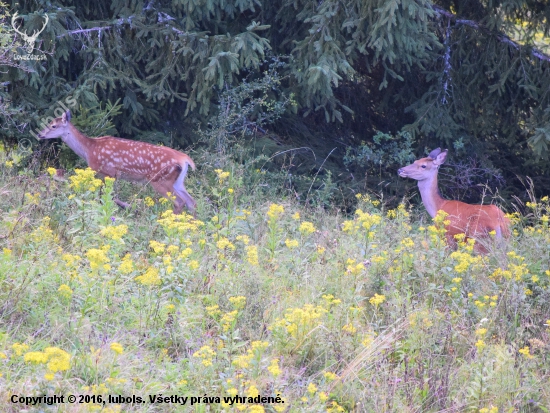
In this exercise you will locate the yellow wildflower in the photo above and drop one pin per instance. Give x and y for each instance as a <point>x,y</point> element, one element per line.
<point>329,376</point>
<point>525,352</point>
<point>115,232</point>
<point>238,302</point>
<point>307,228</point>
<point>84,180</point>
<point>65,291</point>
<point>19,348</point>
<point>150,277</point>
<point>206,354</point>
<point>377,299</point>
<point>223,243</point>
<point>244,239</point>
<point>222,176</point>
<point>98,257</point>
<point>157,247</point>
<point>480,344</point>
<point>252,254</point>
<point>117,348</point>
<point>311,388</point>
<point>291,243</point>
<point>274,367</point>
<point>127,265</point>
<point>275,211</point>
<point>228,320</point>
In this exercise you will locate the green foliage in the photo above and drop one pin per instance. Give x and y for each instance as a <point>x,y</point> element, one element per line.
<point>259,295</point>
<point>97,120</point>
<point>385,151</point>
<point>438,70</point>
<point>246,109</point>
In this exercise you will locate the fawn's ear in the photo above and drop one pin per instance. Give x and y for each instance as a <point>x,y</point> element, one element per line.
<point>66,117</point>
<point>440,158</point>
<point>433,154</point>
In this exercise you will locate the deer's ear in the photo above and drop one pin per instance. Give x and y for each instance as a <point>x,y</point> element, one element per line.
<point>433,154</point>
<point>66,117</point>
<point>440,158</point>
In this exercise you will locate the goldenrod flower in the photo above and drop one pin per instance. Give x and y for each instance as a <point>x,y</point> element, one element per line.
<point>228,320</point>
<point>329,376</point>
<point>481,331</point>
<point>307,228</point>
<point>291,243</point>
<point>213,310</point>
<point>222,176</point>
<point>150,277</point>
<point>525,352</point>
<point>223,243</point>
<point>252,254</point>
<point>275,211</point>
<point>84,180</point>
<point>65,291</point>
<point>480,344</point>
<point>206,354</point>
<point>98,257</point>
<point>19,348</point>
<point>117,348</point>
<point>244,239</point>
<point>157,247</point>
<point>238,302</point>
<point>377,299</point>
<point>349,328</point>
<point>274,367</point>
<point>127,265</point>
<point>115,232</point>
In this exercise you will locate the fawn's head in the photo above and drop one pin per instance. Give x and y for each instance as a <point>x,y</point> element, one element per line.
<point>57,127</point>
<point>424,168</point>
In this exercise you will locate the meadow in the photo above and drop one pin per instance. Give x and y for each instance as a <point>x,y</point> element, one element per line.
<point>261,296</point>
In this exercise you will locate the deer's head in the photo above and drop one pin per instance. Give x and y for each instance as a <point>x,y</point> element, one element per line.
<point>57,127</point>
<point>424,168</point>
<point>32,38</point>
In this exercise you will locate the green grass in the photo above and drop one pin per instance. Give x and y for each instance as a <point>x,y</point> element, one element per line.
<point>365,313</point>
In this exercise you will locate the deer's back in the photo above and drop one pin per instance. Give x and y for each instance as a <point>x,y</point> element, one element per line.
<point>134,161</point>
<point>474,219</point>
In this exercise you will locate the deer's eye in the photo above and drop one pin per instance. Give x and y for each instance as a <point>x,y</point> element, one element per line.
<point>423,166</point>
<point>53,126</point>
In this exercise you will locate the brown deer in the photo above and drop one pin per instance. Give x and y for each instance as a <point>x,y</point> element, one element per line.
<point>163,167</point>
<point>475,221</point>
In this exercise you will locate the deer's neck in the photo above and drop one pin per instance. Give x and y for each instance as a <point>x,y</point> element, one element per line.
<point>431,198</point>
<point>78,142</point>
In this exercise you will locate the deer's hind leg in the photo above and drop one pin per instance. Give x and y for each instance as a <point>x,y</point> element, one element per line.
<point>181,192</point>
<point>163,186</point>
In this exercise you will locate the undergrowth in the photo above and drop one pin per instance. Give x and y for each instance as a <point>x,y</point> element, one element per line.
<point>260,296</point>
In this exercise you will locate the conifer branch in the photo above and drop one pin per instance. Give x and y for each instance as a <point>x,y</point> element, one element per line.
<point>94,29</point>
<point>500,36</point>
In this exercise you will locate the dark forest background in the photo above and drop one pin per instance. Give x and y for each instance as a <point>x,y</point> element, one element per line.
<point>336,94</point>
